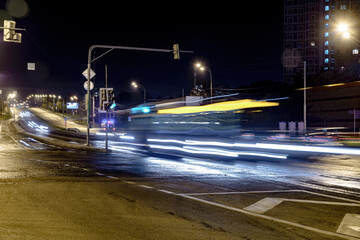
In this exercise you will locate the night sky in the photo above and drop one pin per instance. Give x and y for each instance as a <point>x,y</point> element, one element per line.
<point>241,42</point>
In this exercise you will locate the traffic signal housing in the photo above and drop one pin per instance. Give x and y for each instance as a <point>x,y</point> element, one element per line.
<point>9,32</point>
<point>176,51</point>
<point>103,99</point>
<point>111,97</point>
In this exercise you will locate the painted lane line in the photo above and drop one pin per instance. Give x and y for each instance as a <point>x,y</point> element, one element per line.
<point>320,202</point>
<point>100,174</point>
<point>269,218</point>
<point>145,186</point>
<point>85,169</point>
<point>329,196</point>
<point>166,191</point>
<point>224,193</point>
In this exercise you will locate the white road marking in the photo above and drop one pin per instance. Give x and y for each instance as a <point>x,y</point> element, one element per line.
<point>225,193</point>
<point>269,218</point>
<point>166,191</point>
<point>320,202</point>
<point>329,196</point>
<point>263,205</point>
<point>145,186</point>
<point>350,225</point>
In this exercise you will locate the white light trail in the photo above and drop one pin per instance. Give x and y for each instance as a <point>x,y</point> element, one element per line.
<point>269,146</point>
<point>127,137</point>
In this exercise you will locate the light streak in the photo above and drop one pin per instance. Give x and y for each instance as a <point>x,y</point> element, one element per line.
<point>37,127</point>
<point>270,146</point>
<point>127,137</point>
<point>220,107</point>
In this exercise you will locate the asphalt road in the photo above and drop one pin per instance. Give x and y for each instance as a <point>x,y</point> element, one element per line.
<point>54,193</point>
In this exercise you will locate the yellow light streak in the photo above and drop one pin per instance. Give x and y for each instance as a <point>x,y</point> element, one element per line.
<point>334,85</point>
<point>220,107</point>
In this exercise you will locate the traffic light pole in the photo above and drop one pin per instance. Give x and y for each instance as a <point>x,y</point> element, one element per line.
<point>175,50</point>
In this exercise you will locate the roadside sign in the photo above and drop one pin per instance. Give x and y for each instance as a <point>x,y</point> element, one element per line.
<point>85,73</point>
<point>91,85</point>
<point>356,113</point>
<point>72,105</point>
<point>31,66</point>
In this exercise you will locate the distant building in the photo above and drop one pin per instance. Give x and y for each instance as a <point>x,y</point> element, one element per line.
<point>311,34</point>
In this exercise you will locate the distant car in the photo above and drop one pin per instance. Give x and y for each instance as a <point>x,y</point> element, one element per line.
<point>73,130</point>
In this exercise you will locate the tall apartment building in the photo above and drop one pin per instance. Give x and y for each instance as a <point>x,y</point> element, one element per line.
<point>311,34</point>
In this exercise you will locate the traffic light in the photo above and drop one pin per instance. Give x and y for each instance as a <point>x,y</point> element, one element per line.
<point>9,32</point>
<point>176,51</point>
<point>111,103</point>
<point>103,98</point>
<point>111,95</point>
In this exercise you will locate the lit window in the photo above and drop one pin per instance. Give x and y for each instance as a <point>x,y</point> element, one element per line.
<point>326,34</point>
<point>327,8</point>
<point>326,43</point>
<point>327,52</point>
<point>327,17</point>
<point>326,60</point>
<point>343,7</point>
<point>326,25</point>
<point>355,51</point>
<point>312,44</point>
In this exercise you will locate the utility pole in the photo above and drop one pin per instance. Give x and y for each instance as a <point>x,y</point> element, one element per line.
<point>304,97</point>
<point>107,116</point>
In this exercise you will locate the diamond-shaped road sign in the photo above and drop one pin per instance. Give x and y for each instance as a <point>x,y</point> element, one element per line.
<point>85,73</point>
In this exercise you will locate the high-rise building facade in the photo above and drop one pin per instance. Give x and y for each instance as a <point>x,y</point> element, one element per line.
<point>312,34</point>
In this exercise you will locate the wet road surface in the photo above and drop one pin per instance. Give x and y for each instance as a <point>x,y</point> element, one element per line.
<point>303,197</point>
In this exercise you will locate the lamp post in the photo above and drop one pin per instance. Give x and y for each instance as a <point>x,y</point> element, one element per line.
<point>343,29</point>
<point>136,85</point>
<point>203,68</point>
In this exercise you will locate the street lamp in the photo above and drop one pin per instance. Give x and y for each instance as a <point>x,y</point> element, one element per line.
<point>136,85</point>
<point>204,68</point>
<point>343,28</point>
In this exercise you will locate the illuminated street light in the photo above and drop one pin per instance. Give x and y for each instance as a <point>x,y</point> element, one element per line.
<point>203,68</point>
<point>136,85</point>
<point>346,35</point>
<point>343,29</point>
